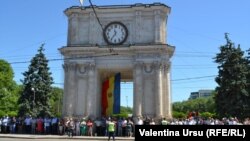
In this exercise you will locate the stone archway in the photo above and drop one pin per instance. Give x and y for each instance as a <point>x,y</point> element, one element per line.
<point>143,58</point>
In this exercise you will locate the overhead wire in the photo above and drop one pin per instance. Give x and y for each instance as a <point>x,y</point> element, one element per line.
<point>190,78</point>
<point>97,18</point>
<point>70,58</point>
<point>58,54</point>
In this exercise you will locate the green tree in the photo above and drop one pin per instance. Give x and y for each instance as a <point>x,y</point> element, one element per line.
<point>201,105</point>
<point>8,90</point>
<point>179,115</point>
<point>247,96</point>
<point>231,93</point>
<point>125,111</point>
<point>35,98</point>
<point>56,101</point>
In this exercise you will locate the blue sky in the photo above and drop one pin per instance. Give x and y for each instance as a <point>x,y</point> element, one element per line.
<point>195,27</point>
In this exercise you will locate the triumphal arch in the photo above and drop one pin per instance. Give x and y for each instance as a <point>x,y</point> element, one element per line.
<point>125,39</point>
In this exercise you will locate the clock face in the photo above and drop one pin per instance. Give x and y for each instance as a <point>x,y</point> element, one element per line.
<point>115,33</point>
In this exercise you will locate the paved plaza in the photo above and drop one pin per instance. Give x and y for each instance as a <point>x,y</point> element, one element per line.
<point>18,137</point>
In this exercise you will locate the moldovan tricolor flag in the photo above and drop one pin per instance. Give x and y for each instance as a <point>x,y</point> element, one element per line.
<point>111,95</point>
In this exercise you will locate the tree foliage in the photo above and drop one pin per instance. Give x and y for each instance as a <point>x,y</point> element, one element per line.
<point>232,94</point>
<point>125,111</point>
<point>56,101</point>
<point>8,90</point>
<point>179,115</point>
<point>197,105</point>
<point>36,94</point>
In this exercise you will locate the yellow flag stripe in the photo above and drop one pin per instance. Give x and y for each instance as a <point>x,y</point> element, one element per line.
<point>110,95</point>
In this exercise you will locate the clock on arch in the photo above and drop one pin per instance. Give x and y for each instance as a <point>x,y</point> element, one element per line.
<point>115,33</point>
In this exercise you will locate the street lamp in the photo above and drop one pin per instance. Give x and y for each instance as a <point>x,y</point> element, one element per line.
<point>34,98</point>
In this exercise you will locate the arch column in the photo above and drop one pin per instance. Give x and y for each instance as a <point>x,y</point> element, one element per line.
<point>70,95</point>
<point>167,97</point>
<point>138,88</point>
<point>65,93</point>
<point>82,81</point>
<point>158,89</point>
<point>92,93</point>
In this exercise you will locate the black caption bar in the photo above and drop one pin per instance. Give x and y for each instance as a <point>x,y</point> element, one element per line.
<point>193,132</point>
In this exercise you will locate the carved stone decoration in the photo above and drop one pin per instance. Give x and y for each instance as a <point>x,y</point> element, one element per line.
<point>148,68</point>
<point>65,67</point>
<point>91,66</point>
<point>157,65</point>
<point>72,66</point>
<point>138,65</point>
<point>82,68</point>
<point>166,66</point>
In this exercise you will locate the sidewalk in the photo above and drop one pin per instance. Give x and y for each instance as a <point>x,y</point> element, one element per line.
<point>28,136</point>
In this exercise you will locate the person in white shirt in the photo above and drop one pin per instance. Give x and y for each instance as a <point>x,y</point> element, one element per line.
<point>27,123</point>
<point>152,122</point>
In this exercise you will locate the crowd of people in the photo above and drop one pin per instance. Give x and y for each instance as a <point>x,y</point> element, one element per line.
<point>99,127</point>
<point>69,126</point>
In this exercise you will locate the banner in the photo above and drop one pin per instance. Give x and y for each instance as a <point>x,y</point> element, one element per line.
<point>111,95</point>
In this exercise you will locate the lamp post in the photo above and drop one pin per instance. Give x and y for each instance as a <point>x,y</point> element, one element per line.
<point>34,97</point>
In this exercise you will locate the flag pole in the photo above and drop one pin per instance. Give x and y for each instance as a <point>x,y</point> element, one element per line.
<point>81,2</point>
